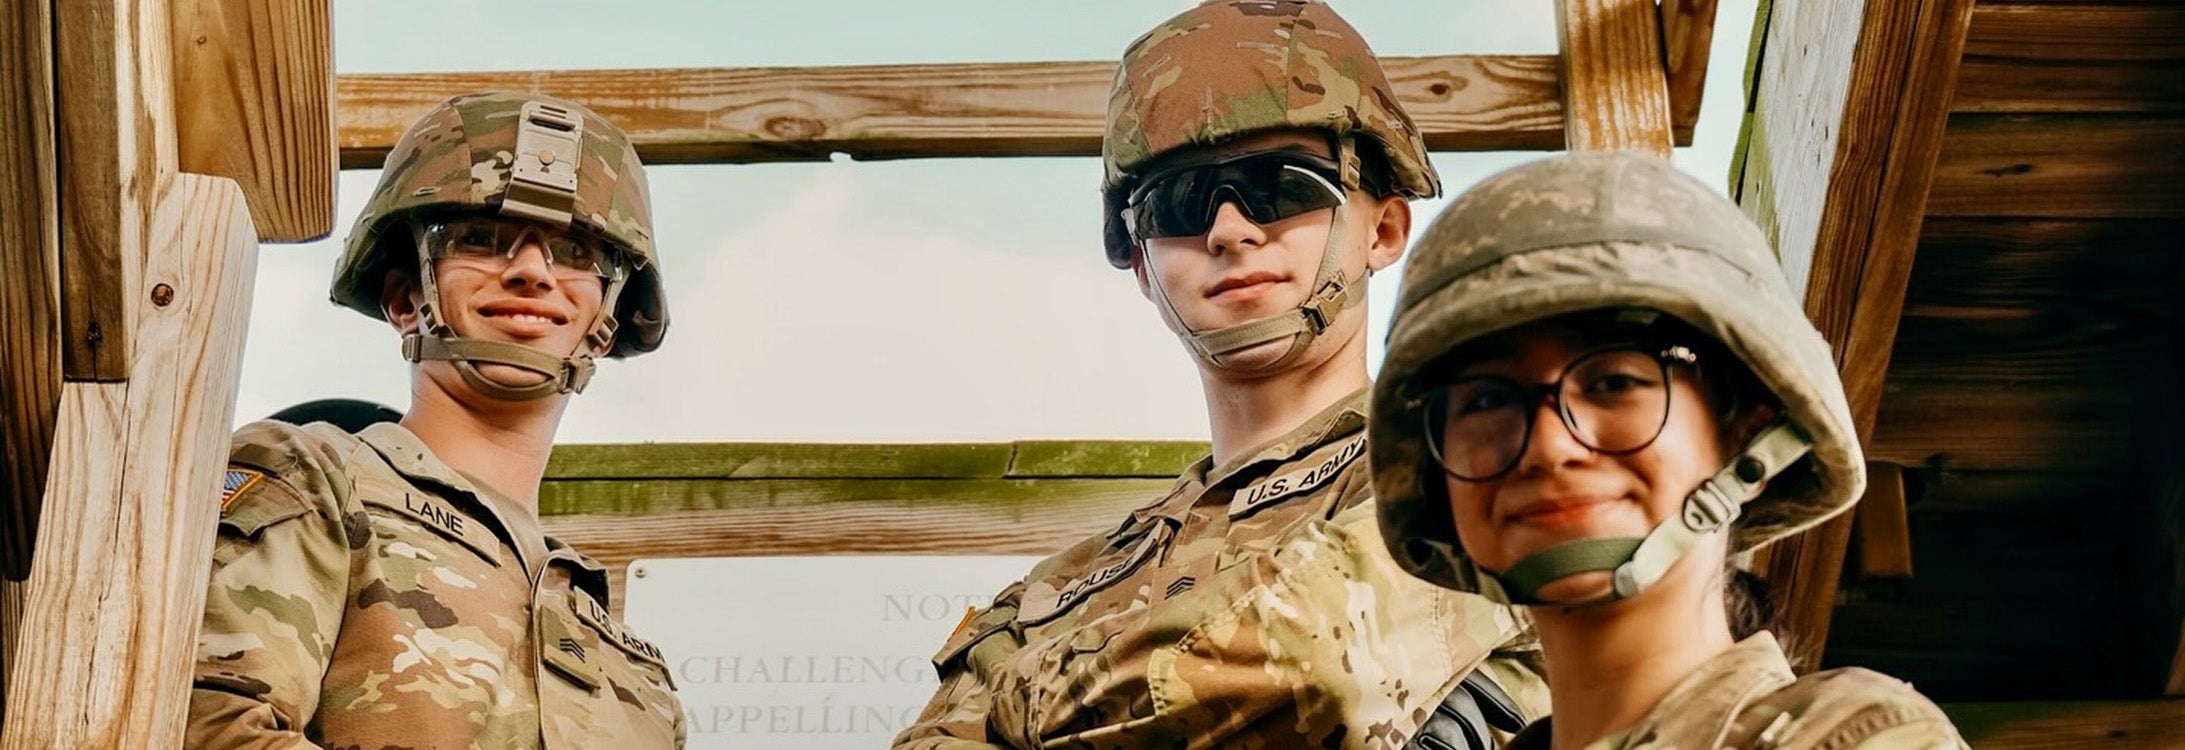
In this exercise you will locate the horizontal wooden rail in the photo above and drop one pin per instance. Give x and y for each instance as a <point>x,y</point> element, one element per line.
<point>730,115</point>
<point>618,503</point>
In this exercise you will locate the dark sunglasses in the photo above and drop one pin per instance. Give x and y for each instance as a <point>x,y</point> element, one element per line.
<point>1268,187</point>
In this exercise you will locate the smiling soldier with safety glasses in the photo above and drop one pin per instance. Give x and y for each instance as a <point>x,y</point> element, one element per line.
<point>391,586</point>
<point>1257,170</point>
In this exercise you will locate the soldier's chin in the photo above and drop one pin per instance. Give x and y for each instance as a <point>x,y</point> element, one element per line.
<point>1573,589</point>
<point>1255,360</point>
<point>511,376</point>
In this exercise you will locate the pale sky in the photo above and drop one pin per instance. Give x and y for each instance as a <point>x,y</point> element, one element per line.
<point>906,301</point>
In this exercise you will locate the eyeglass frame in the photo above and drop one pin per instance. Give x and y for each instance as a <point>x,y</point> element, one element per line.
<point>609,269</point>
<point>1552,392</point>
<point>1324,171</point>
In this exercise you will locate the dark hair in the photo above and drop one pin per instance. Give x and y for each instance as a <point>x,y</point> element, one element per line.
<point>1745,596</point>
<point>1376,174</point>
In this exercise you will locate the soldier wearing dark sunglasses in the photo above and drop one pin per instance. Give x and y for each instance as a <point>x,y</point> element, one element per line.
<point>1257,170</point>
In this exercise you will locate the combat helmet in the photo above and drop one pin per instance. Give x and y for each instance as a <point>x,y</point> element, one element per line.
<point>1609,232</point>
<point>1232,68</point>
<point>519,155</point>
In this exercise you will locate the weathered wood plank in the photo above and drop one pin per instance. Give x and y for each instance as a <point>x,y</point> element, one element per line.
<point>777,460</point>
<point>2032,263</point>
<point>1615,94</point>
<point>254,83</point>
<point>30,301</point>
<point>1885,536</point>
<point>116,142</point>
<point>2116,725</point>
<point>2077,58</point>
<point>884,520</point>
<point>2061,166</point>
<point>714,115</point>
<point>2077,32</point>
<point>652,496</point>
<point>1022,459</point>
<point>121,569</point>
<point>1800,79</point>
<point>1863,205</point>
<point>1688,34</point>
<point>1086,458</point>
<point>1998,426</point>
<point>2007,85</point>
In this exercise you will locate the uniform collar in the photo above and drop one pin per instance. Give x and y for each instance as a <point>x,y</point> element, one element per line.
<point>1701,704</point>
<point>410,458</point>
<point>1342,419</point>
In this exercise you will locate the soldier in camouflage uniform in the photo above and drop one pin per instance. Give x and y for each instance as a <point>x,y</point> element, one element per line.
<point>392,588</point>
<point>1598,391</point>
<point>1257,169</point>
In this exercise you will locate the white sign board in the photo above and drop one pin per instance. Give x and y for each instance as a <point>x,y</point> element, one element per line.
<point>807,652</point>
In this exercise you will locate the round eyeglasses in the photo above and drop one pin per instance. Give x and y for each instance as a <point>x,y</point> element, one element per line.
<point>1612,401</point>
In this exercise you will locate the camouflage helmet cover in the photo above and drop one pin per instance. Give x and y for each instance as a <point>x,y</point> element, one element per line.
<point>461,156</point>
<point>1587,232</point>
<point>1229,68</point>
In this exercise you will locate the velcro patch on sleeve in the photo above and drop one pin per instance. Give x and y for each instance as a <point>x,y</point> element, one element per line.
<point>235,482</point>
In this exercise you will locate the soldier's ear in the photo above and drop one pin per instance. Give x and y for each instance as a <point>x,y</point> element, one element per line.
<point>1391,217</point>
<point>399,299</point>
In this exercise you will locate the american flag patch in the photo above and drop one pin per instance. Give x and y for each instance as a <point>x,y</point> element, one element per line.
<point>235,482</point>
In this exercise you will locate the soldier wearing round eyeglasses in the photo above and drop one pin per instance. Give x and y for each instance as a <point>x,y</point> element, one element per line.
<point>392,587</point>
<point>1258,169</point>
<point>1599,392</point>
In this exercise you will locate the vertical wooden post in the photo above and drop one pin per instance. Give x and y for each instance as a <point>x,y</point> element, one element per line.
<point>30,302</point>
<point>1851,99</point>
<point>116,142</point>
<point>259,75</point>
<point>1615,94</point>
<point>1688,33</point>
<point>1885,533</point>
<point>119,579</point>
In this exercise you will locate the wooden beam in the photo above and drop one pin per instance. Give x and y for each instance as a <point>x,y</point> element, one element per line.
<point>1615,96</point>
<point>2061,167</point>
<point>119,583</point>
<point>116,142</point>
<point>30,292</point>
<point>2004,426</point>
<point>727,115</point>
<point>1868,85</point>
<point>2077,32</point>
<point>1688,34</point>
<point>254,85</point>
<point>1155,459</point>
<point>2104,725</point>
<point>618,521</point>
<point>1885,535</point>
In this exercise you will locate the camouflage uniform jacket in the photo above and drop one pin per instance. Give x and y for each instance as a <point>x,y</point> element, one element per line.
<point>1747,698</point>
<point>366,595</point>
<point>1253,606</point>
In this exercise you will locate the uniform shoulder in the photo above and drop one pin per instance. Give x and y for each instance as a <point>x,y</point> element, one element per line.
<point>278,470</point>
<point>1853,707</point>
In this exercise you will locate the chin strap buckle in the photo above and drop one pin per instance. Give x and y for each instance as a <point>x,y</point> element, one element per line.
<point>1710,507</point>
<point>1327,302</point>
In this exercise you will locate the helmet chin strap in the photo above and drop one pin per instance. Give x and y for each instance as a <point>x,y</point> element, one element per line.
<point>1638,563</point>
<point>437,341</point>
<point>1331,295</point>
